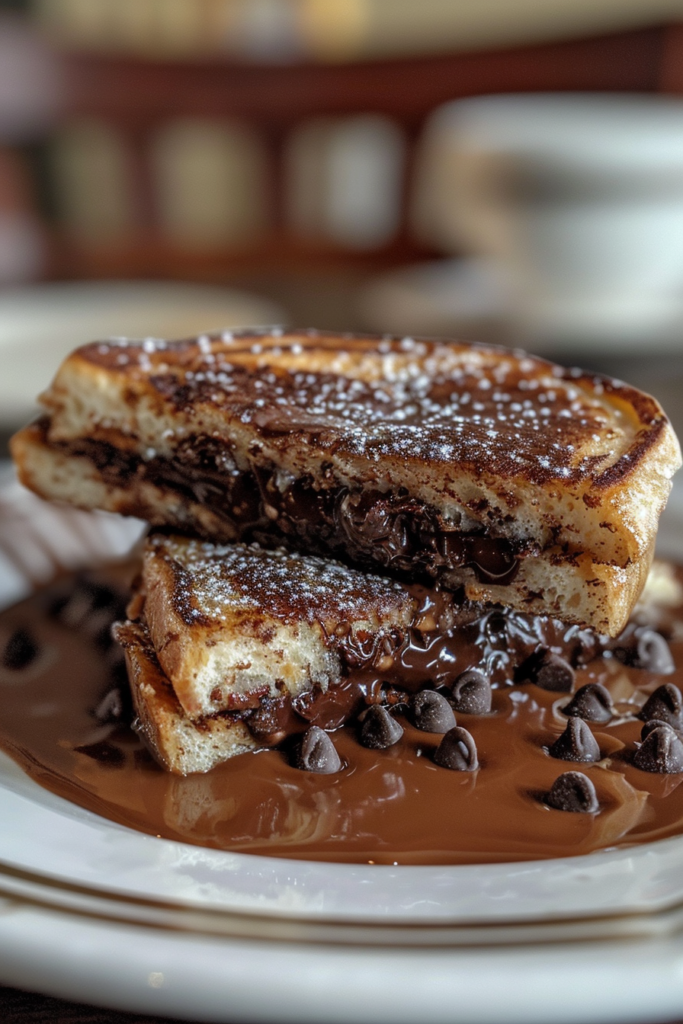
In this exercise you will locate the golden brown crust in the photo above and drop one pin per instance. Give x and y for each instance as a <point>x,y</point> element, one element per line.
<point>307,368</point>
<point>233,624</point>
<point>474,430</point>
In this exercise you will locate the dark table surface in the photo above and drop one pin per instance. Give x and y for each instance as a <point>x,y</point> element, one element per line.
<point>18,1007</point>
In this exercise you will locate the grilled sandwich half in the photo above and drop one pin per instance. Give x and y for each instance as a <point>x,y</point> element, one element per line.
<point>471,466</point>
<point>233,648</point>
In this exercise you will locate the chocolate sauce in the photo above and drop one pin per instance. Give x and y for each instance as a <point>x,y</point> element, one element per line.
<point>404,535</point>
<point>454,636</point>
<point>64,722</point>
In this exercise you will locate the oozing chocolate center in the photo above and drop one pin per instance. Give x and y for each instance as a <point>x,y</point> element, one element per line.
<point>401,533</point>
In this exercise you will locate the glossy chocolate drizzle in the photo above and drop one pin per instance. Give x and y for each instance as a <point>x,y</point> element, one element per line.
<point>65,720</point>
<point>454,636</point>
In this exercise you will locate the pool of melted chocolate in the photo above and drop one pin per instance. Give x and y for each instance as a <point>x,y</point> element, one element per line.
<point>62,720</point>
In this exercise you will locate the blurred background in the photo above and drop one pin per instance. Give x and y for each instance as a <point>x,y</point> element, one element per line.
<point>507,170</point>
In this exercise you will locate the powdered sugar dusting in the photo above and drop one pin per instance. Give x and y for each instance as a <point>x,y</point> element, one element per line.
<point>489,408</point>
<point>216,580</point>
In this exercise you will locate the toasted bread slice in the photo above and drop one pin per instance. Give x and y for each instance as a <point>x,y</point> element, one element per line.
<point>527,484</point>
<point>180,745</point>
<point>280,640</point>
<point>264,632</point>
<point>234,624</point>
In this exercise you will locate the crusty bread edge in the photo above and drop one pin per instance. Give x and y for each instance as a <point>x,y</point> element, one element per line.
<point>75,480</point>
<point>161,722</point>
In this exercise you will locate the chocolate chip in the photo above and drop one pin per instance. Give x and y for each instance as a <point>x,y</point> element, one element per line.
<point>379,729</point>
<point>457,751</point>
<point>317,753</point>
<point>431,712</point>
<point>266,720</point>
<point>591,702</point>
<point>573,791</point>
<point>495,627</point>
<point>665,703</point>
<point>642,647</point>
<point>661,751</point>
<point>20,651</point>
<point>553,673</point>
<point>653,653</point>
<point>472,692</point>
<point>577,743</point>
<point>654,723</point>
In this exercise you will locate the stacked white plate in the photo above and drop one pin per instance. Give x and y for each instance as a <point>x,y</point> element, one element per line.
<point>93,911</point>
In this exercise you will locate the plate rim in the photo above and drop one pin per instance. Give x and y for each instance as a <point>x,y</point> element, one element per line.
<point>303,890</point>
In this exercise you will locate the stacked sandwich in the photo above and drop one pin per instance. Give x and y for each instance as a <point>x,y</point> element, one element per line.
<point>344,527</point>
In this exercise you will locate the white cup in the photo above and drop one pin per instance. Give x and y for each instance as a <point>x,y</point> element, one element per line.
<point>578,199</point>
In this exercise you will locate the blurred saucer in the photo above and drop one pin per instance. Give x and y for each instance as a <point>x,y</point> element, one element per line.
<point>471,298</point>
<point>579,201</point>
<point>450,298</point>
<point>41,324</point>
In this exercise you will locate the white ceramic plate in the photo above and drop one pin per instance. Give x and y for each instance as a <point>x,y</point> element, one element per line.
<point>41,324</point>
<point>97,912</point>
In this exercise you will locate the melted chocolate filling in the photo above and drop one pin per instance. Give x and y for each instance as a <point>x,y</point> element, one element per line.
<point>386,668</point>
<point>404,535</point>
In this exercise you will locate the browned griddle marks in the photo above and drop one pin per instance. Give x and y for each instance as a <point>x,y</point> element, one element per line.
<point>490,409</point>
